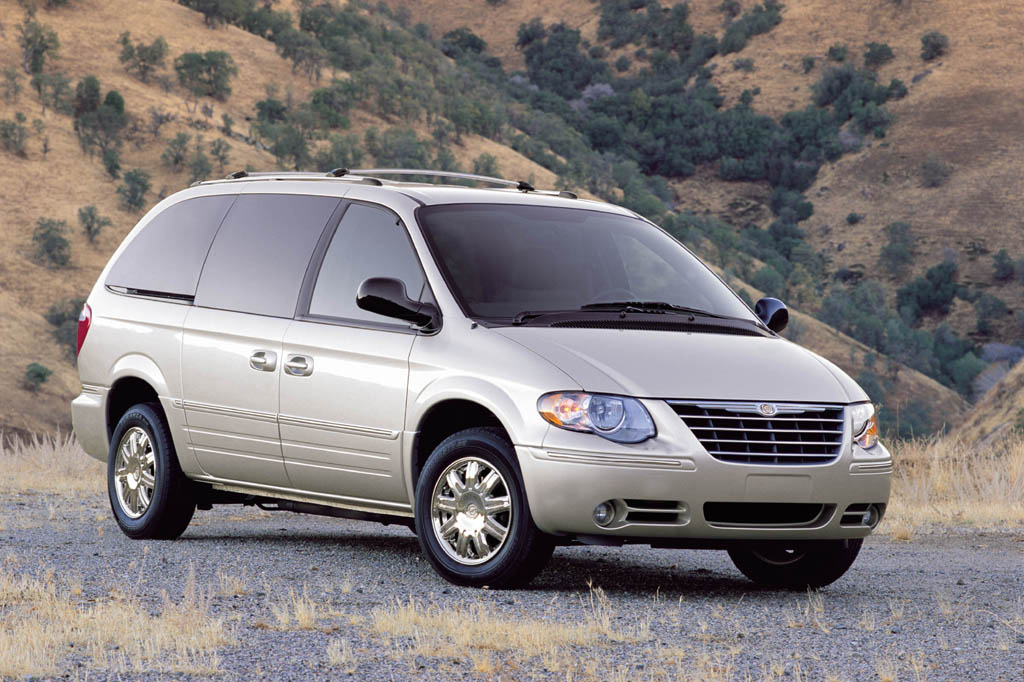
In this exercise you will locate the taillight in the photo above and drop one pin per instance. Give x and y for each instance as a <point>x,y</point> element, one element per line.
<point>84,322</point>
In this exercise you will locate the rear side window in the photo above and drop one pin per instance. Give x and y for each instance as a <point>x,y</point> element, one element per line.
<point>369,242</point>
<point>259,258</point>
<point>167,255</point>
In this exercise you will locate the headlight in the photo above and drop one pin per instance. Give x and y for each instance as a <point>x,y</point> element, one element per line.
<point>865,424</point>
<point>619,419</point>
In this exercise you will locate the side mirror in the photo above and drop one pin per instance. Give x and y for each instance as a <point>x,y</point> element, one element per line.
<point>386,296</point>
<point>773,313</point>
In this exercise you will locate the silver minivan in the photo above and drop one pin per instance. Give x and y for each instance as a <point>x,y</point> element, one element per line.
<point>504,370</point>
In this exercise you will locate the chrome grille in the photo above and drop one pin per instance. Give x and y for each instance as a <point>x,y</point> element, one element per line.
<point>765,433</point>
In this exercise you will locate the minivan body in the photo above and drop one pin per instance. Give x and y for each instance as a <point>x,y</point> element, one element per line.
<point>503,370</point>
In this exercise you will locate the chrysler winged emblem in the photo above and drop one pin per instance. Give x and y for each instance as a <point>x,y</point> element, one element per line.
<point>767,409</point>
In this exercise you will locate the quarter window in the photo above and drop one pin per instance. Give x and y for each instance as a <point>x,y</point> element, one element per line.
<point>259,258</point>
<point>166,256</point>
<point>369,242</point>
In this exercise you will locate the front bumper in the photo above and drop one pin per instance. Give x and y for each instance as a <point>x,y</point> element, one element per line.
<point>661,490</point>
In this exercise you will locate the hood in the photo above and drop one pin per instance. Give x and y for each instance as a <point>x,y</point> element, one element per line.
<point>657,364</point>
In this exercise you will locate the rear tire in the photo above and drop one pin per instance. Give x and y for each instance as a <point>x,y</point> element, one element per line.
<point>150,496</point>
<point>472,517</point>
<point>799,567</point>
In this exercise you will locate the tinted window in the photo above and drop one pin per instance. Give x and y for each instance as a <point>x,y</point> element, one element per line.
<point>167,255</point>
<point>369,242</point>
<point>260,255</point>
<point>504,259</point>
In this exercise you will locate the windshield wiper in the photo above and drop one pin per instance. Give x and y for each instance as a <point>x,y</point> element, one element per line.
<point>527,315</point>
<point>652,306</point>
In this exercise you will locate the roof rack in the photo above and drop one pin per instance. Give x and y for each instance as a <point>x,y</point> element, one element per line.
<point>521,185</point>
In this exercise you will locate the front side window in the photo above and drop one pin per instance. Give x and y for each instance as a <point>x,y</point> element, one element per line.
<point>259,258</point>
<point>369,242</point>
<point>501,260</point>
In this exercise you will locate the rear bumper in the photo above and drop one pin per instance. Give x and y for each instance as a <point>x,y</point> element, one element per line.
<point>664,496</point>
<point>89,422</point>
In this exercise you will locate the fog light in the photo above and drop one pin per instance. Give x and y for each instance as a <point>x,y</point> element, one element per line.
<point>604,513</point>
<point>871,516</point>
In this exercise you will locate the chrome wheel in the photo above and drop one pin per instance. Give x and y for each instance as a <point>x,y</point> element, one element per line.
<point>471,510</point>
<point>135,472</point>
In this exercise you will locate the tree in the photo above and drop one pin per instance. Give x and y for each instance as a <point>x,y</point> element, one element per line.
<point>64,318</point>
<point>899,252</point>
<point>52,249</point>
<point>988,308</point>
<point>221,151</point>
<point>343,152</point>
<point>38,43</point>
<point>11,84</point>
<point>112,163</point>
<point>98,124</point>
<point>35,376</point>
<point>92,222</point>
<point>133,189</point>
<point>14,135</point>
<point>217,12</point>
<point>206,75</point>
<point>838,52</point>
<point>933,45</point>
<point>176,152</point>
<point>142,59</point>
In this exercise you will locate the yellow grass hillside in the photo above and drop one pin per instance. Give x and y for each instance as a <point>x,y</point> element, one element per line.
<point>1000,413</point>
<point>57,186</point>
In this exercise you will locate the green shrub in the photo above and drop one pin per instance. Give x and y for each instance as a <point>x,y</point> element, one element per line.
<point>898,253</point>
<point>14,135</point>
<point>838,52</point>
<point>199,166</point>
<point>64,318</point>
<point>52,249</point>
<point>344,151</point>
<point>755,21</point>
<point>1002,265</point>
<point>932,293</point>
<point>768,280</point>
<point>854,218</point>
<point>745,64</point>
<point>988,308</point>
<point>461,42</point>
<point>35,376</point>
<point>933,45</point>
<point>221,151</point>
<point>622,64</point>
<point>807,63</point>
<point>934,171</point>
<point>897,89</point>
<point>92,222</point>
<point>112,163</point>
<point>486,164</point>
<point>11,84</point>
<point>176,152</point>
<point>877,54</point>
<point>133,189</point>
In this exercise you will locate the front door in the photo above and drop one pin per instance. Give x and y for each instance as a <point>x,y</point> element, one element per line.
<point>343,389</point>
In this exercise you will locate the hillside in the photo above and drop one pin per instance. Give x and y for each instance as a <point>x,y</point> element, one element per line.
<point>999,414</point>
<point>56,185</point>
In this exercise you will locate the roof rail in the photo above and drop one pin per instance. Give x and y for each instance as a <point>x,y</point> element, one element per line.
<point>521,185</point>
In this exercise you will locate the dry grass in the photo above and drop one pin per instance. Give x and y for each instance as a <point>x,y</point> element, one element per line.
<point>951,483</point>
<point>477,630</point>
<point>52,465</point>
<point>47,622</point>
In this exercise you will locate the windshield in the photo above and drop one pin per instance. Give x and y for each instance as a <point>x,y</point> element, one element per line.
<point>501,260</point>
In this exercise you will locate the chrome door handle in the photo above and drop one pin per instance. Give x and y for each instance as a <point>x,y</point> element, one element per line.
<point>299,365</point>
<point>263,360</point>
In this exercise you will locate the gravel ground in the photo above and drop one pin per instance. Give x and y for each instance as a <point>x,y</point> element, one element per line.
<point>946,605</point>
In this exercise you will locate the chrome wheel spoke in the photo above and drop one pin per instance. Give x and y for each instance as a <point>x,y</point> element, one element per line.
<point>490,480</point>
<point>448,527</point>
<point>462,545</point>
<point>147,480</point>
<point>495,529</point>
<point>480,546</point>
<point>497,505</point>
<point>472,471</point>
<point>454,483</point>
<point>445,504</point>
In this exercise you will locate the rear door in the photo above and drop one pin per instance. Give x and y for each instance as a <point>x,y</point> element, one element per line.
<point>344,386</point>
<point>231,354</point>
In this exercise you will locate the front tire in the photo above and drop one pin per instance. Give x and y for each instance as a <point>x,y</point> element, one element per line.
<point>472,517</point>
<point>150,496</point>
<point>798,567</point>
